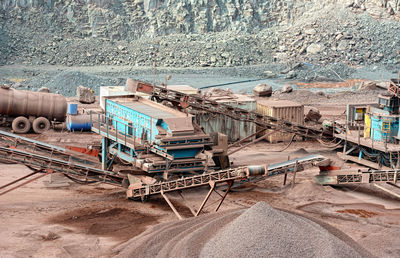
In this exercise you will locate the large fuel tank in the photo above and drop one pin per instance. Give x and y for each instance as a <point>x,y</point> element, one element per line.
<point>27,103</point>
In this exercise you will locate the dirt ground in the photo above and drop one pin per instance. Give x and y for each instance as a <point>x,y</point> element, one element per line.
<point>91,220</point>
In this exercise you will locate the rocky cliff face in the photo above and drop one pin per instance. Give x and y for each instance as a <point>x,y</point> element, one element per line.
<point>103,31</point>
<point>133,19</point>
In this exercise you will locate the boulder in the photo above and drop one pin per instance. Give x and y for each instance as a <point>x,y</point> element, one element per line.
<point>313,115</point>
<point>85,95</point>
<point>44,89</point>
<point>314,48</point>
<point>290,75</point>
<point>287,89</point>
<point>263,90</point>
<point>269,74</point>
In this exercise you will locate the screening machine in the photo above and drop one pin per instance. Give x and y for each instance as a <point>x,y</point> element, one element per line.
<point>155,139</point>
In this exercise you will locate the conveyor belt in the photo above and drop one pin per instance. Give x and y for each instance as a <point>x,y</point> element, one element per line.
<point>58,165</point>
<point>357,177</point>
<point>201,104</point>
<point>17,141</point>
<point>44,162</point>
<point>223,176</point>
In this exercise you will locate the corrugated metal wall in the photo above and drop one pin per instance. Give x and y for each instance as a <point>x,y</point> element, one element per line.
<point>287,110</point>
<point>235,130</point>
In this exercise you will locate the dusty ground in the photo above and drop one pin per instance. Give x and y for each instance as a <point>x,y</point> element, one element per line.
<point>91,220</point>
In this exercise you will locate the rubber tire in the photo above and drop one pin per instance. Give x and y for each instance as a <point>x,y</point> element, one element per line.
<point>41,125</point>
<point>21,125</point>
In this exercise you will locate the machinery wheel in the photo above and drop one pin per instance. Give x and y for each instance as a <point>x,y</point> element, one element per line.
<point>21,124</point>
<point>41,125</point>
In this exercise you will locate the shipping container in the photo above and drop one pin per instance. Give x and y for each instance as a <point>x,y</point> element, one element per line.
<point>284,109</point>
<point>234,129</point>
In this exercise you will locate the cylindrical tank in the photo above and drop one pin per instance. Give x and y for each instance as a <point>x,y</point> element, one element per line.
<point>78,123</point>
<point>72,109</point>
<point>27,103</point>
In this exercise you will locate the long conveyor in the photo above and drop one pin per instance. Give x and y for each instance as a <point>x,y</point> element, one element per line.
<point>343,177</point>
<point>48,162</point>
<point>182,100</point>
<point>231,174</point>
<point>58,165</point>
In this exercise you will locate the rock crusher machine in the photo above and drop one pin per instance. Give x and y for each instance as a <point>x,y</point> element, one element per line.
<point>155,140</point>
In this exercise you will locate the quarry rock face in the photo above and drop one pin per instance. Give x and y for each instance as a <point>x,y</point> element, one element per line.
<point>218,33</point>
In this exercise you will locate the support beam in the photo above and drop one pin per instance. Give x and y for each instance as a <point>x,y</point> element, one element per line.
<point>104,153</point>
<point>361,161</point>
<point>212,185</point>
<point>285,177</point>
<point>19,179</point>
<point>294,173</point>
<point>187,204</point>
<point>393,184</point>
<point>230,183</point>
<point>251,143</point>
<point>349,151</point>
<point>171,205</point>
<point>49,171</point>
<point>247,138</point>
<point>387,190</point>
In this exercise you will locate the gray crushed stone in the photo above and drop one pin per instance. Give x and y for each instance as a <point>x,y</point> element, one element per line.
<point>4,81</point>
<point>263,231</point>
<point>66,82</point>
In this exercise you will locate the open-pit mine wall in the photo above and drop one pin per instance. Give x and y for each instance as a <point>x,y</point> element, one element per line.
<point>31,30</point>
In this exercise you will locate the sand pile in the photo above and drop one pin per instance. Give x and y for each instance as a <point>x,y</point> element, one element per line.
<point>260,231</point>
<point>263,231</point>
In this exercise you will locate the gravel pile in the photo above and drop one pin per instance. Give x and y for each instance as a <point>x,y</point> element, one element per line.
<point>260,231</point>
<point>183,238</point>
<point>66,82</point>
<point>263,231</point>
